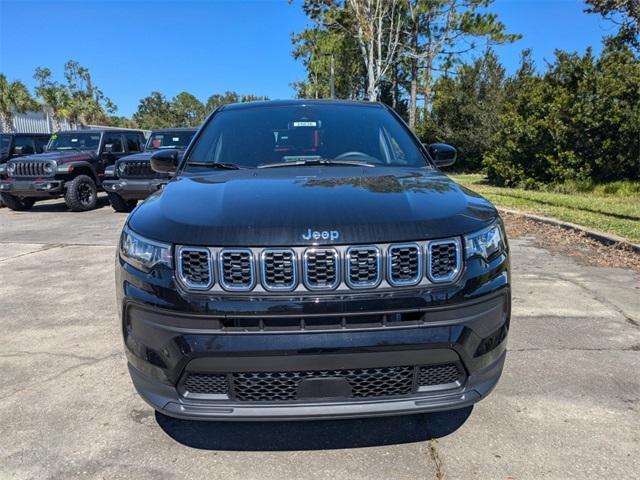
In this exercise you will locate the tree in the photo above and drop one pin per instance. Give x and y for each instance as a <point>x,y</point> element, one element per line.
<point>466,110</point>
<point>87,103</point>
<point>624,13</point>
<point>14,96</point>
<point>54,95</point>
<point>438,32</point>
<point>186,110</point>
<point>154,111</point>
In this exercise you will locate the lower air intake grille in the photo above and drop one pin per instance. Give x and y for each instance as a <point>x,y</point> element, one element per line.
<point>236,269</point>
<point>321,268</point>
<point>195,267</point>
<point>206,383</point>
<point>282,386</point>
<point>444,260</point>
<point>439,375</point>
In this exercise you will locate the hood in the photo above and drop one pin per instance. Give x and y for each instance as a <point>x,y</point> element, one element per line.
<point>61,156</point>
<point>137,156</point>
<point>282,206</point>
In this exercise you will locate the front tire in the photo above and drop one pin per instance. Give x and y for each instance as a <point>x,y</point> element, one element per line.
<point>81,194</point>
<point>16,203</point>
<point>119,204</point>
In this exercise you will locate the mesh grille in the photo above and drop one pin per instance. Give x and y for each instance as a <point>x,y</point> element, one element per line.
<point>29,168</point>
<point>443,263</point>
<point>137,168</point>
<point>438,375</point>
<point>206,383</point>
<point>363,265</point>
<point>278,268</point>
<point>321,268</point>
<point>236,269</point>
<point>282,386</point>
<point>195,268</point>
<point>404,264</point>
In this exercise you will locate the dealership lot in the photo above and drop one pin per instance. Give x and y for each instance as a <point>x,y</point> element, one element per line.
<point>568,404</point>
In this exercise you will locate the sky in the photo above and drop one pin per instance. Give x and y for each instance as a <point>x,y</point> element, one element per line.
<point>135,47</point>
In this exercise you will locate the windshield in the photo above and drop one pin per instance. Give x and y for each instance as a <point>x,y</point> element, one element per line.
<point>259,136</point>
<point>5,141</point>
<point>179,139</point>
<point>74,141</point>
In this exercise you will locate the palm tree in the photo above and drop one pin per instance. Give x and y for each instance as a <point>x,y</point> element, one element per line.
<point>14,97</point>
<point>55,96</point>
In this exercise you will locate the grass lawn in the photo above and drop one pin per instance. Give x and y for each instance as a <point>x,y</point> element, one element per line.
<point>617,213</point>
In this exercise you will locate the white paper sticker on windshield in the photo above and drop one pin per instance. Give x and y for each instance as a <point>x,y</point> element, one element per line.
<point>74,140</point>
<point>305,124</point>
<point>176,139</point>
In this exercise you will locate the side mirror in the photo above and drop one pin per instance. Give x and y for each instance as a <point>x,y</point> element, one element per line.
<point>17,151</point>
<point>165,161</point>
<point>442,154</point>
<point>108,148</point>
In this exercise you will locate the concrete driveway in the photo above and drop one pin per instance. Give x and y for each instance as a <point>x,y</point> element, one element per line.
<point>568,404</point>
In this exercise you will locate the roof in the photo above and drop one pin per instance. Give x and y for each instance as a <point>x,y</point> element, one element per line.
<point>26,134</point>
<point>300,102</point>
<point>100,130</point>
<point>176,129</point>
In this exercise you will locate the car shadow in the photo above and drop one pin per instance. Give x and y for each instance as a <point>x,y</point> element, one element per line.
<point>312,435</point>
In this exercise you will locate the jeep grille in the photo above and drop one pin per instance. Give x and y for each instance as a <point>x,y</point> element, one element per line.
<point>30,168</point>
<point>136,168</point>
<point>300,269</point>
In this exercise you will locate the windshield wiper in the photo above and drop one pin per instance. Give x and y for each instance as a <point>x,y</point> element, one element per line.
<point>317,161</point>
<point>220,165</point>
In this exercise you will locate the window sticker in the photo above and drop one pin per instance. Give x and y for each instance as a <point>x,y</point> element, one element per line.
<point>73,140</point>
<point>176,139</point>
<point>305,124</point>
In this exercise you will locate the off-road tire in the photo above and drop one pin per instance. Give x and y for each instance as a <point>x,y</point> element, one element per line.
<point>119,204</point>
<point>81,194</point>
<point>17,204</point>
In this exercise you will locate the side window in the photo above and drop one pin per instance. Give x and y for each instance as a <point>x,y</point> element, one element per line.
<point>115,140</point>
<point>40,142</point>
<point>133,142</point>
<point>26,143</point>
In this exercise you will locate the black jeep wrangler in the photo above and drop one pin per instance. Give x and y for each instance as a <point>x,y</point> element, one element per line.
<point>132,179</point>
<point>19,144</point>
<point>309,260</point>
<point>73,167</point>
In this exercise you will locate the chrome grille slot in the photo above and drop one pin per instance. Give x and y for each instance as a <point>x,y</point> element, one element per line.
<point>321,268</point>
<point>444,260</point>
<point>404,264</point>
<point>279,269</point>
<point>363,267</point>
<point>236,269</point>
<point>195,267</point>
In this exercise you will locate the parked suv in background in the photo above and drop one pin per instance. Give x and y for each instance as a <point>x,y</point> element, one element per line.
<point>73,167</point>
<point>309,260</point>
<point>131,178</point>
<point>19,144</point>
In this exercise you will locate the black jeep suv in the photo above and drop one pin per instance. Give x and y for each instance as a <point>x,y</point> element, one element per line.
<point>132,178</point>
<point>309,260</point>
<point>73,167</point>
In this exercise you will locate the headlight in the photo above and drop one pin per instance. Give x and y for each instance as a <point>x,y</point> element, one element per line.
<point>50,167</point>
<point>121,168</point>
<point>142,253</point>
<point>11,167</point>
<point>485,243</point>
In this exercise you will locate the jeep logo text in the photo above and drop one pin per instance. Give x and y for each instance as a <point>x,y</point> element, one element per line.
<point>321,235</point>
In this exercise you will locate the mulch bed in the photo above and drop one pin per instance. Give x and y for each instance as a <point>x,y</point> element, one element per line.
<point>570,242</point>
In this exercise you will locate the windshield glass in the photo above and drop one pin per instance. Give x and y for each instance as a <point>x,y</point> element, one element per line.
<point>74,141</point>
<point>258,136</point>
<point>5,141</point>
<point>160,140</point>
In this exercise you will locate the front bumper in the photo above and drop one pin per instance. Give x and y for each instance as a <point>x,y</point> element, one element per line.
<point>134,189</point>
<point>41,187</point>
<point>169,334</point>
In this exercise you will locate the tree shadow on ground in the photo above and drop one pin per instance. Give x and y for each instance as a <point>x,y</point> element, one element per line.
<point>312,435</point>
